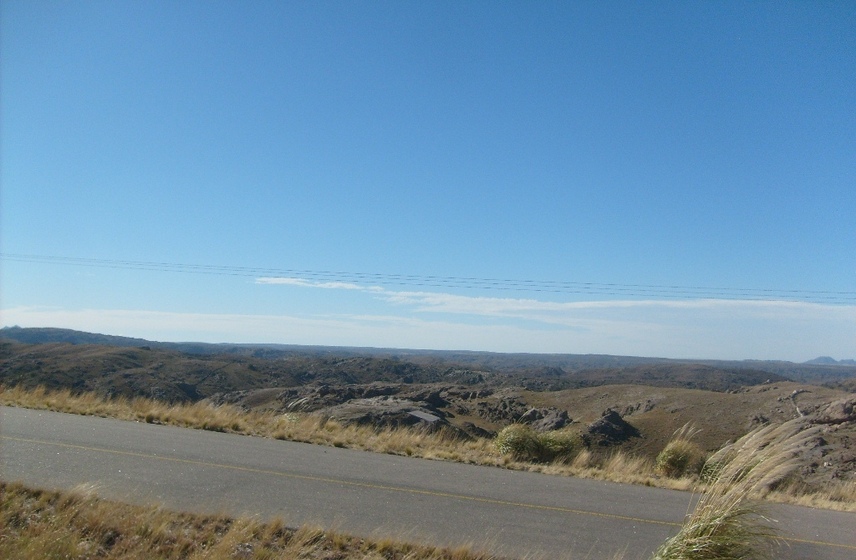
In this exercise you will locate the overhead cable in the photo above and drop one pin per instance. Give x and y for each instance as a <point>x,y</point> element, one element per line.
<point>459,282</point>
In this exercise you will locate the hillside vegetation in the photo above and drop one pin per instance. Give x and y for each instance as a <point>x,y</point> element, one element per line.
<point>177,376</point>
<point>631,407</point>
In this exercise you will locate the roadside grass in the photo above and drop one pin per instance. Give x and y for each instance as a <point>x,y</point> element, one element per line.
<point>728,521</point>
<point>726,524</point>
<point>42,524</point>
<point>681,456</point>
<point>557,453</point>
<point>523,443</point>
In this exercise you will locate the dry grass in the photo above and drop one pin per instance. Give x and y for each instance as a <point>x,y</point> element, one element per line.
<point>523,443</point>
<point>307,428</point>
<point>40,524</point>
<point>613,466</point>
<point>840,496</point>
<point>727,522</point>
<point>681,456</point>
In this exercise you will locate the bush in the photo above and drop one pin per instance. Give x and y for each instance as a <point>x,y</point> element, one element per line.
<point>727,522</point>
<point>680,457</point>
<point>560,444</point>
<point>520,441</point>
<point>525,444</point>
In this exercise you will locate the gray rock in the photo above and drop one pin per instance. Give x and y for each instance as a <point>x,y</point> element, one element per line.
<point>610,429</point>
<point>837,412</point>
<point>385,411</point>
<point>545,419</point>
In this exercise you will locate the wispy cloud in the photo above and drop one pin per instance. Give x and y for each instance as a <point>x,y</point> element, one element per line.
<point>730,331</point>
<point>723,328</point>
<point>553,311</point>
<point>315,284</point>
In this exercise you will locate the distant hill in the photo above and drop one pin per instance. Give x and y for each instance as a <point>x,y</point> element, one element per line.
<point>69,336</point>
<point>47,335</point>
<point>827,361</point>
<point>166,372</point>
<point>534,371</point>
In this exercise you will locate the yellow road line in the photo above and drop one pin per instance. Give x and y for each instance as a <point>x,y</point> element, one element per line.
<point>376,486</point>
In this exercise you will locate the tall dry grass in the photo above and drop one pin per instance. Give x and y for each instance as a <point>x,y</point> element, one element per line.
<point>728,521</point>
<point>308,428</point>
<point>681,456</point>
<point>443,445</point>
<point>39,524</point>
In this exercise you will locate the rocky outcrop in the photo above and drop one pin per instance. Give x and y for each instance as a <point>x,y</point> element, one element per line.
<point>545,419</point>
<point>386,411</point>
<point>505,410</point>
<point>837,412</point>
<point>639,407</point>
<point>318,397</point>
<point>610,429</point>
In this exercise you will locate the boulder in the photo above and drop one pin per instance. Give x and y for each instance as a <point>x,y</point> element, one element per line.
<point>385,411</point>
<point>610,429</point>
<point>505,410</point>
<point>545,419</point>
<point>837,412</point>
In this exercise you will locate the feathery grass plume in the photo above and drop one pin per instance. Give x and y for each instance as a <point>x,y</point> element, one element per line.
<point>681,456</point>
<point>727,522</point>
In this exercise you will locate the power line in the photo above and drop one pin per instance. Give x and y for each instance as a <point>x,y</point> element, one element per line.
<point>461,282</point>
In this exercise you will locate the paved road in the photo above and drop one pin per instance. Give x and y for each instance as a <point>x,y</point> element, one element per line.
<point>510,513</point>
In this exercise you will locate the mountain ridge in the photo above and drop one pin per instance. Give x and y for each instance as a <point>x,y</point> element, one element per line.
<point>817,371</point>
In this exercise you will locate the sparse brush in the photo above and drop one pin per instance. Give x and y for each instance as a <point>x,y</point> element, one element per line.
<point>844,492</point>
<point>727,522</point>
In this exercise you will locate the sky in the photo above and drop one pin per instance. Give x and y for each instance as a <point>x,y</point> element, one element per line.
<point>671,179</point>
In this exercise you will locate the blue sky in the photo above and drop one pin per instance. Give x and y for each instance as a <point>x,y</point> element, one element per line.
<point>669,179</point>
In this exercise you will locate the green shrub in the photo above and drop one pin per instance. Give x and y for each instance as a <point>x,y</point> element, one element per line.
<point>680,457</point>
<point>520,441</point>
<point>560,444</point>
<point>727,522</point>
<point>525,444</point>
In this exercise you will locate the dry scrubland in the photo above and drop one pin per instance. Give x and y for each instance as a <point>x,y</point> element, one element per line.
<point>678,465</point>
<point>295,395</point>
<point>476,395</point>
<point>726,523</point>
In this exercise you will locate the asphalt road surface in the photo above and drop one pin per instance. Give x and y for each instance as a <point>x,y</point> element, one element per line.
<point>509,513</point>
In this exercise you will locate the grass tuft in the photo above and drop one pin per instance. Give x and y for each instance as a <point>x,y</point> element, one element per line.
<point>523,443</point>
<point>680,457</point>
<point>520,441</point>
<point>728,523</point>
